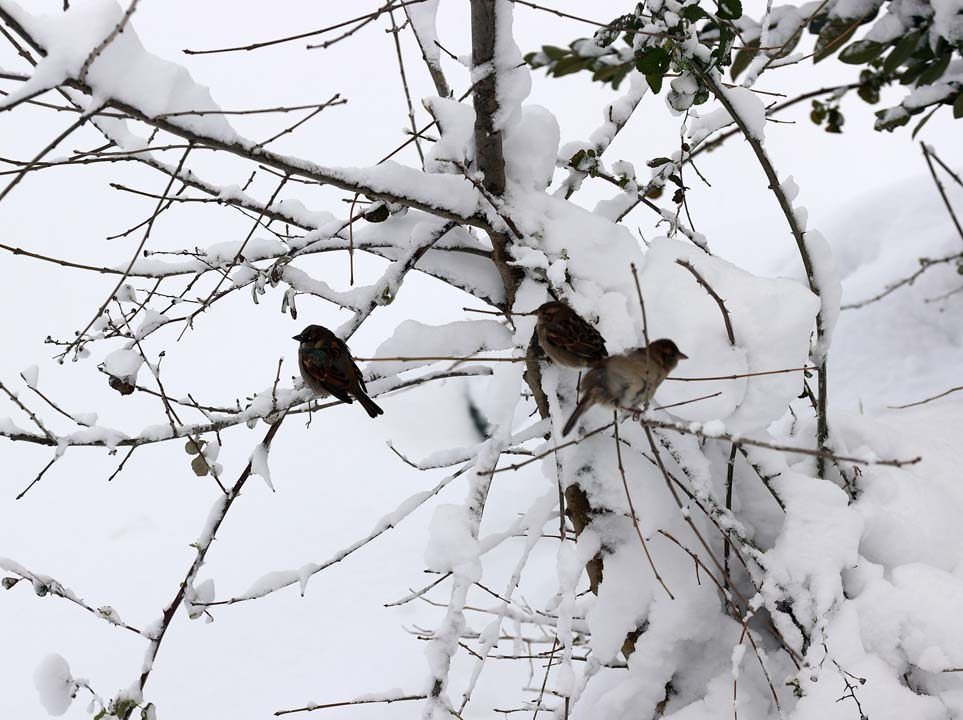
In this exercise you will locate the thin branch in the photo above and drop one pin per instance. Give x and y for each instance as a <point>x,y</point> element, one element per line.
<point>117,30</point>
<point>632,513</point>
<point>822,424</point>
<point>921,402</point>
<point>695,429</point>
<point>385,701</point>
<point>939,186</point>
<point>714,295</point>
<point>925,264</point>
<point>46,585</point>
<point>395,31</point>
<point>103,306</point>
<point>290,38</point>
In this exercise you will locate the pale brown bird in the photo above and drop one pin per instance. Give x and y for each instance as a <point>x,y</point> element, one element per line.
<point>566,337</point>
<point>328,368</point>
<point>628,380</point>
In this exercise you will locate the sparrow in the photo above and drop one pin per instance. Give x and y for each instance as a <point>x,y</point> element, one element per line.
<point>566,337</point>
<point>328,368</point>
<point>628,380</point>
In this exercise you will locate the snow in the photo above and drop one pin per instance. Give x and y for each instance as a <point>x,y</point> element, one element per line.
<point>123,364</point>
<point>948,19</point>
<point>456,122</point>
<point>259,464</point>
<point>830,289</point>
<point>423,18</point>
<point>530,148</point>
<point>124,70</point>
<point>514,79</point>
<point>30,376</point>
<point>442,192</point>
<point>55,685</point>
<point>747,106</point>
<point>458,339</point>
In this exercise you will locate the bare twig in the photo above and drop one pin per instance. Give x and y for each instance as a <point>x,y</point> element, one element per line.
<point>926,400</point>
<point>290,38</point>
<point>385,701</point>
<point>632,513</point>
<point>939,186</point>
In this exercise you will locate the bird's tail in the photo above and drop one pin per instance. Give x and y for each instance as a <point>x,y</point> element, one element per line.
<point>584,404</point>
<point>368,404</point>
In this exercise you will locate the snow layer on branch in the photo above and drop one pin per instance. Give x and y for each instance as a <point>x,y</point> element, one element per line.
<point>746,104</point>
<point>124,70</point>
<point>514,78</point>
<point>456,122</point>
<point>256,248</point>
<point>531,147</point>
<point>444,192</point>
<point>830,288</point>
<point>458,339</point>
<point>123,364</point>
<point>423,22</point>
<point>819,539</point>
<point>451,545</point>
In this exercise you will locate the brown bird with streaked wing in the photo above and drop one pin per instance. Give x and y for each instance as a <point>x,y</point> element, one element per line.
<point>566,337</point>
<point>328,368</point>
<point>628,380</point>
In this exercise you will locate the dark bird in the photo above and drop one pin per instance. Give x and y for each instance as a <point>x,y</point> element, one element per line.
<point>628,380</point>
<point>328,368</point>
<point>566,337</point>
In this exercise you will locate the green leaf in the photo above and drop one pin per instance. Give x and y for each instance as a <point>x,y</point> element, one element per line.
<point>694,12</point>
<point>653,60</point>
<point>744,56</point>
<point>620,75</point>
<point>934,71</point>
<point>608,73</point>
<point>861,51</point>
<point>655,82</point>
<point>832,36</point>
<point>722,52</point>
<point>577,159</point>
<point>958,106</point>
<point>868,93</point>
<point>555,53</point>
<point>730,9</point>
<point>569,65</point>
<point>658,162</point>
<point>912,72</point>
<point>901,53</point>
<point>895,120</point>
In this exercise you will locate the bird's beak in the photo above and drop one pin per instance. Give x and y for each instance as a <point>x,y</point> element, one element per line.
<point>683,356</point>
<point>298,338</point>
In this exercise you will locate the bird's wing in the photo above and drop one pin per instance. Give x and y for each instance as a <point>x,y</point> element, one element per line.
<point>329,374</point>
<point>578,337</point>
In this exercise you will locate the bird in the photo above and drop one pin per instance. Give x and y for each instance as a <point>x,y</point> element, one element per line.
<point>327,368</point>
<point>627,380</point>
<point>566,337</point>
